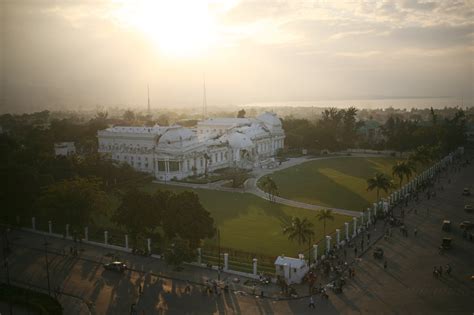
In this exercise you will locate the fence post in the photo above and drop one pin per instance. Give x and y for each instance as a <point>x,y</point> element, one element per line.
<point>67,230</point>
<point>148,241</point>
<point>355,227</point>
<point>328,243</point>
<point>226,261</point>
<point>33,223</point>
<point>199,255</point>
<point>315,252</point>
<point>126,241</point>
<point>86,233</point>
<point>106,237</point>
<point>346,226</point>
<point>338,236</point>
<point>50,227</point>
<point>255,260</point>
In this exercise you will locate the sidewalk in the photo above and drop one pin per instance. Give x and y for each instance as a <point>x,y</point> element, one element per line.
<point>145,265</point>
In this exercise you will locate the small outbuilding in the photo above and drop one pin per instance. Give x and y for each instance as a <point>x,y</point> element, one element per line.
<point>291,269</point>
<point>64,149</point>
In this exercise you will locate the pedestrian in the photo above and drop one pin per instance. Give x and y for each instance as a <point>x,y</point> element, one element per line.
<point>440,271</point>
<point>415,232</point>
<point>448,269</point>
<point>385,264</point>
<point>311,302</point>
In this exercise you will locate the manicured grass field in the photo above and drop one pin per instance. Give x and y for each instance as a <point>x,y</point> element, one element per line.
<point>338,182</point>
<point>251,224</point>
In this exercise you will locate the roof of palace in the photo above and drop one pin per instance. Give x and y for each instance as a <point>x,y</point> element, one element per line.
<point>156,129</point>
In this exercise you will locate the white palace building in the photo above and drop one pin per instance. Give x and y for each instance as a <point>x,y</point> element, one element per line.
<point>176,152</point>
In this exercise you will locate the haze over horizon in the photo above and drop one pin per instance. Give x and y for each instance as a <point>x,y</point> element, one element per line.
<point>61,54</point>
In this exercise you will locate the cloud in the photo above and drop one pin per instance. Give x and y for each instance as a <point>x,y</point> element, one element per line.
<point>359,54</point>
<point>342,35</point>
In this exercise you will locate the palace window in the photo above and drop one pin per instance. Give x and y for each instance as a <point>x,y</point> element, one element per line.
<point>174,166</point>
<point>161,166</point>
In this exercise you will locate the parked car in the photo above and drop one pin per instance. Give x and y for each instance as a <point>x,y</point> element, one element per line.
<point>446,226</point>
<point>116,266</point>
<point>468,208</point>
<point>466,192</point>
<point>466,225</point>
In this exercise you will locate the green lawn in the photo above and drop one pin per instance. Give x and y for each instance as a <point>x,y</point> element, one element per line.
<point>339,182</point>
<point>251,224</point>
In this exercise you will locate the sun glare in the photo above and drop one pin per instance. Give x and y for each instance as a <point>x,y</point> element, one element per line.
<point>179,28</point>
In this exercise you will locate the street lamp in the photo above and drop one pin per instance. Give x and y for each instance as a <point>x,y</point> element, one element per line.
<point>47,264</point>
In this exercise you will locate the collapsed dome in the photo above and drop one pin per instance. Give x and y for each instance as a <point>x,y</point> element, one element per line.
<point>269,119</point>
<point>177,137</point>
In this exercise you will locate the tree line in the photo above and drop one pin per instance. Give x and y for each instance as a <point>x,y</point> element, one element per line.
<point>339,129</point>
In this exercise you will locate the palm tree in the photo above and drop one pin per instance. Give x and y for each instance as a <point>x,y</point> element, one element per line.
<point>300,230</point>
<point>402,169</point>
<point>323,215</point>
<point>379,181</point>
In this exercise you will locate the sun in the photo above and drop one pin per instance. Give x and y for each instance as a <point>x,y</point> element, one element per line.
<point>179,28</point>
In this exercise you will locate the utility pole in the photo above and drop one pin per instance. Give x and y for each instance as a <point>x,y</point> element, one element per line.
<point>148,88</point>
<point>47,264</point>
<point>204,97</point>
<point>6,251</point>
<point>219,253</point>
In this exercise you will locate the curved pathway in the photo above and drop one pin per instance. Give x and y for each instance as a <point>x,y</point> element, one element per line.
<point>250,185</point>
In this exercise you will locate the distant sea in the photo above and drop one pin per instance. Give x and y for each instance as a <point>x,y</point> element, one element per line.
<point>400,103</point>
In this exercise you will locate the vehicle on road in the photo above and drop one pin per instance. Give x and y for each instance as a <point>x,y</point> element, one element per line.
<point>466,192</point>
<point>466,225</point>
<point>468,208</point>
<point>116,266</point>
<point>378,252</point>
<point>446,243</point>
<point>446,226</point>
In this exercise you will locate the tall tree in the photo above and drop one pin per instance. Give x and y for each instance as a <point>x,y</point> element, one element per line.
<point>74,201</point>
<point>324,215</point>
<point>139,213</point>
<point>379,182</point>
<point>187,218</point>
<point>270,187</point>
<point>179,252</point>
<point>299,230</point>
<point>402,169</point>
<point>129,115</point>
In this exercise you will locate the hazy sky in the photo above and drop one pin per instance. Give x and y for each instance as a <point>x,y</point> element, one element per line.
<point>84,53</point>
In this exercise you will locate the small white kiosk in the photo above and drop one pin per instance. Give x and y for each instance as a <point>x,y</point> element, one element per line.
<point>292,269</point>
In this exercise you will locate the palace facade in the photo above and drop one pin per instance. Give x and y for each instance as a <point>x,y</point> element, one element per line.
<point>176,152</point>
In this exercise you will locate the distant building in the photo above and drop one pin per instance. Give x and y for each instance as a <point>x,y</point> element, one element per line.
<point>292,270</point>
<point>177,152</point>
<point>64,149</point>
<point>371,131</point>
